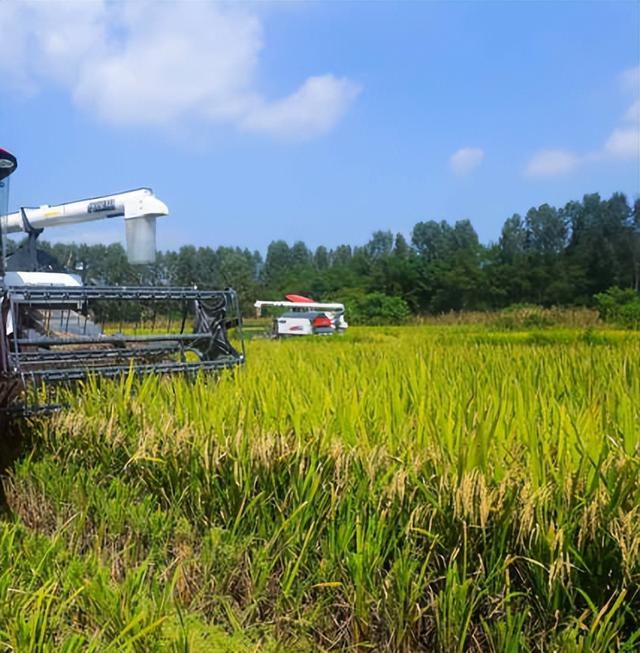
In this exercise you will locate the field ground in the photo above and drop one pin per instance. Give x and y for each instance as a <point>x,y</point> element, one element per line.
<point>426,488</point>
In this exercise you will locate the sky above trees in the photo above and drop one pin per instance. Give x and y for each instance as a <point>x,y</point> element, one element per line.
<point>320,122</point>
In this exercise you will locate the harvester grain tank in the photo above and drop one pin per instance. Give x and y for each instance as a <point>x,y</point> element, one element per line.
<point>54,329</point>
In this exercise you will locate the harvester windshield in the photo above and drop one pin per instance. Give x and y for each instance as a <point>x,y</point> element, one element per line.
<point>56,329</point>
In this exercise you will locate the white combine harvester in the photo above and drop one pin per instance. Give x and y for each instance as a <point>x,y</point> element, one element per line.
<point>55,329</point>
<point>304,317</point>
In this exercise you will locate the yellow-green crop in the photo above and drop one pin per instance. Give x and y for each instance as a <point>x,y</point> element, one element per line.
<point>400,489</point>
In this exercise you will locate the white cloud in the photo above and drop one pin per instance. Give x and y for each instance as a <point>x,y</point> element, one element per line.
<point>623,142</point>
<point>465,160</point>
<point>162,64</point>
<point>551,163</point>
<point>630,79</point>
<point>14,59</point>
<point>313,108</point>
<point>633,112</point>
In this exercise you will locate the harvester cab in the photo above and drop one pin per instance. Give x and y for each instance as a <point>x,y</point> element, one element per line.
<point>55,329</point>
<point>303,317</point>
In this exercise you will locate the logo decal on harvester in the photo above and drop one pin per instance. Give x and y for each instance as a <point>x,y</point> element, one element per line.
<point>102,205</point>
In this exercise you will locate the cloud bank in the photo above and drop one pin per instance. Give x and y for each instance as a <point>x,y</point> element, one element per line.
<point>622,143</point>
<point>465,160</point>
<point>161,63</point>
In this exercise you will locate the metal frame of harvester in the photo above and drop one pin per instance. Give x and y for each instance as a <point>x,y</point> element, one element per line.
<point>52,327</point>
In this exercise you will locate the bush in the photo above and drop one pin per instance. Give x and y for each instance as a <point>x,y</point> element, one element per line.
<point>524,316</point>
<point>375,308</point>
<point>621,306</point>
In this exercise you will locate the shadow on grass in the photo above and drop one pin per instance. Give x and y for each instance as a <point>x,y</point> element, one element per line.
<point>14,441</point>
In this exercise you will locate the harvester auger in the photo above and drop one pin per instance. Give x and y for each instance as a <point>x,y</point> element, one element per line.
<point>54,329</point>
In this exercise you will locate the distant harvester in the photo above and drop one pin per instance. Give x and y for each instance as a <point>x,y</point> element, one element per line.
<point>305,317</point>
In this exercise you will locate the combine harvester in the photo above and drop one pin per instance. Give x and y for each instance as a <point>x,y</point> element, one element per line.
<point>304,317</point>
<point>50,323</point>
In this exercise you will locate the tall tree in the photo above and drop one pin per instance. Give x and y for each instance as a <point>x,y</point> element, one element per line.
<point>432,239</point>
<point>546,230</point>
<point>277,263</point>
<point>321,258</point>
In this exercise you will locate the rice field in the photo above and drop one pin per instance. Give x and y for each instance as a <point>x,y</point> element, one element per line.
<point>426,488</point>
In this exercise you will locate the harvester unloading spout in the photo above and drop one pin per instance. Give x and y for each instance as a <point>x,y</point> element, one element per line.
<point>55,329</point>
<point>139,208</point>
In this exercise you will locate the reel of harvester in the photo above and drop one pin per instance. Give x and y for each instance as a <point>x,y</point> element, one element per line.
<point>55,330</point>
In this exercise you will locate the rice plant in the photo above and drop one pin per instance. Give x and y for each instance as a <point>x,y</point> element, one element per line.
<point>397,489</point>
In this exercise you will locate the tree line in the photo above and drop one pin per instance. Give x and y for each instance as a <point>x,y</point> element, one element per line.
<point>548,256</point>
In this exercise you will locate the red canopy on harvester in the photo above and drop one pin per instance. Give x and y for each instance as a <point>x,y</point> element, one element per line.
<point>299,299</point>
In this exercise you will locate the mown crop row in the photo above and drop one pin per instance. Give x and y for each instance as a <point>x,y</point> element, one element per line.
<point>402,490</point>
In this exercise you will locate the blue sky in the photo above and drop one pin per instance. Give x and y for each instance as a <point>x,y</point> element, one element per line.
<point>319,121</point>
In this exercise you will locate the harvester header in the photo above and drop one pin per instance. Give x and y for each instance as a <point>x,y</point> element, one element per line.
<point>55,329</point>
